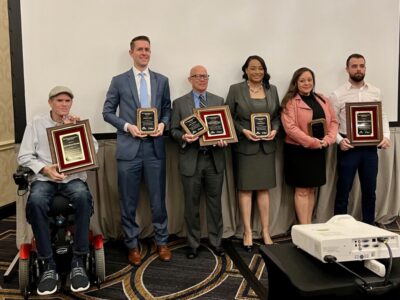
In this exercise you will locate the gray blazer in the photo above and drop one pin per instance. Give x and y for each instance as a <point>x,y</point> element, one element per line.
<point>238,100</point>
<point>122,94</point>
<point>182,108</point>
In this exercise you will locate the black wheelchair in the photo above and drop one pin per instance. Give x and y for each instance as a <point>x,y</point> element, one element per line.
<point>61,219</point>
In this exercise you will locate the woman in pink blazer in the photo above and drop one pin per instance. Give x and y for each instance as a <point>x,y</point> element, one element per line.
<point>311,126</point>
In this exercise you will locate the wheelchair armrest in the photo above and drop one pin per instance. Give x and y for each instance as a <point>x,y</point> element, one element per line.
<point>21,177</point>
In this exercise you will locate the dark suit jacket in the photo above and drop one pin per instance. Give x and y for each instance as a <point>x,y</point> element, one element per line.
<point>182,108</point>
<point>238,100</point>
<point>122,94</point>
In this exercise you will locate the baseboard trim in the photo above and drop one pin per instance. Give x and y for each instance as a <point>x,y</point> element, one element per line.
<point>8,210</point>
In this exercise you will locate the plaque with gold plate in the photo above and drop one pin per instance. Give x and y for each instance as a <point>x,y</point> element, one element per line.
<point>261,124</point>
<point>72,148</point>
<point>147,120</point>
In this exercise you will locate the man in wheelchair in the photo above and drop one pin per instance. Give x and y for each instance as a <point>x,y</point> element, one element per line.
<point>45,183</point>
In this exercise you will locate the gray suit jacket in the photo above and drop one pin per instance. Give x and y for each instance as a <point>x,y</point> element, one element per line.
<point>122,94</point>
<point>238,100</point>
<point>182,108</point>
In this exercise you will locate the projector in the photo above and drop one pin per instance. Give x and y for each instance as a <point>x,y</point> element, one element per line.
<point>345,239</point>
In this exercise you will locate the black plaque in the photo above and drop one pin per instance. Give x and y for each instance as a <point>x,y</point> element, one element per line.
<point>194,125</point>
<point>317,128</point>
<point>261,124</point>
<point>147,120</point>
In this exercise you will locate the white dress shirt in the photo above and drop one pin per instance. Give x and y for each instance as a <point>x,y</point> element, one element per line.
<point>349,93</point>
<point>137,81</point>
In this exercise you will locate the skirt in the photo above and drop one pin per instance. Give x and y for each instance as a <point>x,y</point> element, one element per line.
<point>254,171</point>
<point>304,167</point>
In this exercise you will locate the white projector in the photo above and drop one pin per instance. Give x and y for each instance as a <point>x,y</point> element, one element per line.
<point>345,239</point>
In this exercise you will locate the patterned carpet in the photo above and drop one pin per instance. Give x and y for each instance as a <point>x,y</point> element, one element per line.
<point>238,275</point>
<point>206,277</point>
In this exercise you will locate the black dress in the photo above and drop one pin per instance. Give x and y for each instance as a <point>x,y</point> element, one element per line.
<point>304,167</point>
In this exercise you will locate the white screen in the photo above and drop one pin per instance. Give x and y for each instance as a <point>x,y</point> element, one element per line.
<point>82,44</point>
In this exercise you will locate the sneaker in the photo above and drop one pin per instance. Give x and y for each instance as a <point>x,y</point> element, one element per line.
<point>48,283</point>
<point>79,279</point>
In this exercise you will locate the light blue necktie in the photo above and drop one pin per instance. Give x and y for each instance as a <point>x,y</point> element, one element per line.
<point>143,92</point>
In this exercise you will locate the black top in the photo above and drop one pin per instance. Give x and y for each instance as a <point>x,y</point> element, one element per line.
<point>318,112</point>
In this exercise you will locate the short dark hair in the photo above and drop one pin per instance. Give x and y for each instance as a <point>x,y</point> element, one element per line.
<point>262,62</point>
<point>354,55</point>
<point>139,38</point>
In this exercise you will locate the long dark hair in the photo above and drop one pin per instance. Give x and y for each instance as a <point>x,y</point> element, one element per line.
<point>293,89</point>
<point>262,62</point>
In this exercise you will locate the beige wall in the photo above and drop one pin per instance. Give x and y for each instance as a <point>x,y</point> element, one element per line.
<point>7,146</point>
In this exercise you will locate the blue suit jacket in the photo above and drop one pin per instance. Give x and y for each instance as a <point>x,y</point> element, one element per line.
<point>122,95</point>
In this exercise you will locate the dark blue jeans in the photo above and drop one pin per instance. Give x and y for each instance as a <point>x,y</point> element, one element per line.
<point>365,160</point>
<point>39,201</point>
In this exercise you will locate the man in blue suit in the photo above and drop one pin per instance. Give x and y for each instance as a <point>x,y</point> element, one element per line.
<point>139,154</point>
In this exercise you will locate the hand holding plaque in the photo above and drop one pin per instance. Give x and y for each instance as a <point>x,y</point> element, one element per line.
<point>317,128</point>
<point>72,148</point>
<point>364,123</point>
<point>261,124</point>
<point>194,125</point>
<point>147,120</point>
<point>220,126</point>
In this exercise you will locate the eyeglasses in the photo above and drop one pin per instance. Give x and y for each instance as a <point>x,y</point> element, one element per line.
<point>200,76</point>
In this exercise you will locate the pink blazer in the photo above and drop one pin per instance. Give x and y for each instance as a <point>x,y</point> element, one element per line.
<point>296,116</point>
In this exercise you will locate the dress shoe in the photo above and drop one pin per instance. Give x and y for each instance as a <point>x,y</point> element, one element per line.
<point>164,253</point>
<point>248,248</point>
<point>218,250</point>
<point>134,256</point>
<point>249,242</point>
<point>191,253</point>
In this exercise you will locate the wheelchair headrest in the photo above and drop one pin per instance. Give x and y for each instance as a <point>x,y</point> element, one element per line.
<point>60,206</point>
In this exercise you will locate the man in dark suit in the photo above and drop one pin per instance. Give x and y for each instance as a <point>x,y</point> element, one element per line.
<point>199,165</point>
<point>139,154</point>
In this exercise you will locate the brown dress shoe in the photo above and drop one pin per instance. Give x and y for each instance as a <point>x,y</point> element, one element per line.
<point>134,257</point>
<point>164,253</point>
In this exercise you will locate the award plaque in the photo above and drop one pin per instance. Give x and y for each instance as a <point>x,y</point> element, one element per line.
<point>364,123</point>
<point>72,148</point>
<point>194,125</point>
<point>317,128</point>
<point>218,121</point>
<point>147,120</point>
<point>261,124</point>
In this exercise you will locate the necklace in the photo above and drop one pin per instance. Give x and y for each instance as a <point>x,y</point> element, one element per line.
<point>256,89</point>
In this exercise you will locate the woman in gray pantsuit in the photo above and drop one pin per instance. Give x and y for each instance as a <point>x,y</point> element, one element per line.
<point>254,157</point>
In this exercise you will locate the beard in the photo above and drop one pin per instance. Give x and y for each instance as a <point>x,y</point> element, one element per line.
<point>358,77</point>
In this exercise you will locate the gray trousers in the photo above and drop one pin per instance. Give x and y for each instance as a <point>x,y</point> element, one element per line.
<point>211,181</point>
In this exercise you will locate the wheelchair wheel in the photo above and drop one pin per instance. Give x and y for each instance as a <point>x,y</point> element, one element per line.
<point>24,266</point>
<point>100,268</point>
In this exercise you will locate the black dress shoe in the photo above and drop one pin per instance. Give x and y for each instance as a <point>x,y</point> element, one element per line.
<point>191,253</point>
<point>218,250</point>
<point>248,248</point>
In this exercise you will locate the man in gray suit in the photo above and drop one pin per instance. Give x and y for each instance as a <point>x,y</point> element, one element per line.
<point>138,154</point>
<point>199,165</point>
